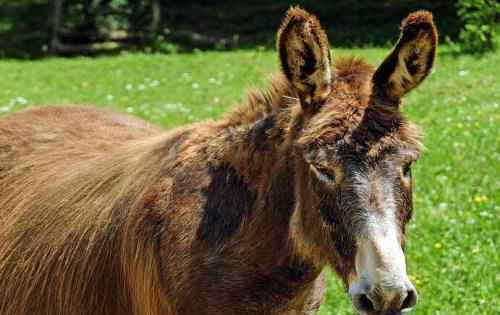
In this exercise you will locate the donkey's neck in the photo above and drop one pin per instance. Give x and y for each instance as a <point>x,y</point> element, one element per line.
<point>256,140</point>
<point>262,156</point>
<point>253,138</point>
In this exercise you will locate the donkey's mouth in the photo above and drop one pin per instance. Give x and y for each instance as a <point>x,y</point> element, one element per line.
<point>387,312</point>
<point>384,313</point>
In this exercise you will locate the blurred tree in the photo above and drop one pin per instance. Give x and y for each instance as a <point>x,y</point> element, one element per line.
<point>479,24</point>
<point>29,27</point>
<point>197,23</point>
<point>55,24</point>
<point>86,26</point>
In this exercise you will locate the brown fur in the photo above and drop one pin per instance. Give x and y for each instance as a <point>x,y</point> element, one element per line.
<point>411,59</point>
<point>101,213</point>
<point>304,49</point>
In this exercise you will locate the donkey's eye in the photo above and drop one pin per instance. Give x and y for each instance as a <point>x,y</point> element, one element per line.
<point>324,175</point>
<point>407,170</point>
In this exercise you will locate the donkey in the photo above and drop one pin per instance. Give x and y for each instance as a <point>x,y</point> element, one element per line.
<point>101,213</point>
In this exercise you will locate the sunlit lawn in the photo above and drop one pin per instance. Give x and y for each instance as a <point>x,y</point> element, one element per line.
<point>453,253</point>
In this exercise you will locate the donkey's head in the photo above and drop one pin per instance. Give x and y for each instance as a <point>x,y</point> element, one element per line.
<point>354,152</point>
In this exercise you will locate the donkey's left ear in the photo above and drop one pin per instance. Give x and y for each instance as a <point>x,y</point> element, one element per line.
<point>412,58</point>
<point>305,57</point>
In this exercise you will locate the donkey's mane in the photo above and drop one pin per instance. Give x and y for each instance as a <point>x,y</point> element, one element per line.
<point>261,102</point>
<point>279,95</point>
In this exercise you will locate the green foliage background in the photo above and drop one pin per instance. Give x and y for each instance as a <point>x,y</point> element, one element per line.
<point>213,24</point>
<point>479,19</point>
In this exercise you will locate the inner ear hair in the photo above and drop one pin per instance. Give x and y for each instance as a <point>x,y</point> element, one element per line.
<point>411,59</point>
<point>305,58</point>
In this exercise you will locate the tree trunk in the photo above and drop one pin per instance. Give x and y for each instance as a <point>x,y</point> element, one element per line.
<point>56,25</point>
<point>155,16</point>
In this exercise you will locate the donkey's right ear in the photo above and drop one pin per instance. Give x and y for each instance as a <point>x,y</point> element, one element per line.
<point>411,59</point>
<point>305,57</point>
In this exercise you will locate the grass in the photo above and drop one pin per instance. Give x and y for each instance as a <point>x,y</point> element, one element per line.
<point>453,253</point>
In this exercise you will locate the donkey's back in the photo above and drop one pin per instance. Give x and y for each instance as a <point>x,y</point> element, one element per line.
<point>75,130</point>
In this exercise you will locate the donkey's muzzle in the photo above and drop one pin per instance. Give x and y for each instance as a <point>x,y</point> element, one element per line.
<point>393,300</point>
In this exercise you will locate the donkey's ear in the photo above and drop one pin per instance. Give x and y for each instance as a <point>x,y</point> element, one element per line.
<point>305,57</point>
<point>411,59</point>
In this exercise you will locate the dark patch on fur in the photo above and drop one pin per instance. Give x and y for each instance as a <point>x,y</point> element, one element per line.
<point>406,84</point>
<point>297,272</point>
<point>327,210</point>
<point>307,69</point>
<point>282,281</point>
<point>282,200</point>
<point>411,64</point>
<point>345,244</point>
<point>342,232</point>
<point>388,66</point>
<point>409,33</point>
<point>334,215</point>
<point>284,53</point>
<point>155,223</point>
<point>327,201</point>
<point>228,201</point>
<point>259,133</point>
<point>312,107</point>
<point>405,203</point>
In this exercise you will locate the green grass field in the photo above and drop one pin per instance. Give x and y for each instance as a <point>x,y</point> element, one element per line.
<point>453,253</point>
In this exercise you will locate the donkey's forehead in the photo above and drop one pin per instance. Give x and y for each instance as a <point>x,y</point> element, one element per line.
<point>371,136</point>
<point>346,105</point>
<point>342,152</point>
<point>352,121</point>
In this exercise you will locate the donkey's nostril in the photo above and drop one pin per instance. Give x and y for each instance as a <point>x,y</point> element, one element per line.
<point>410,301</point>
<point>384,300</point>
<point>363,304</point>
